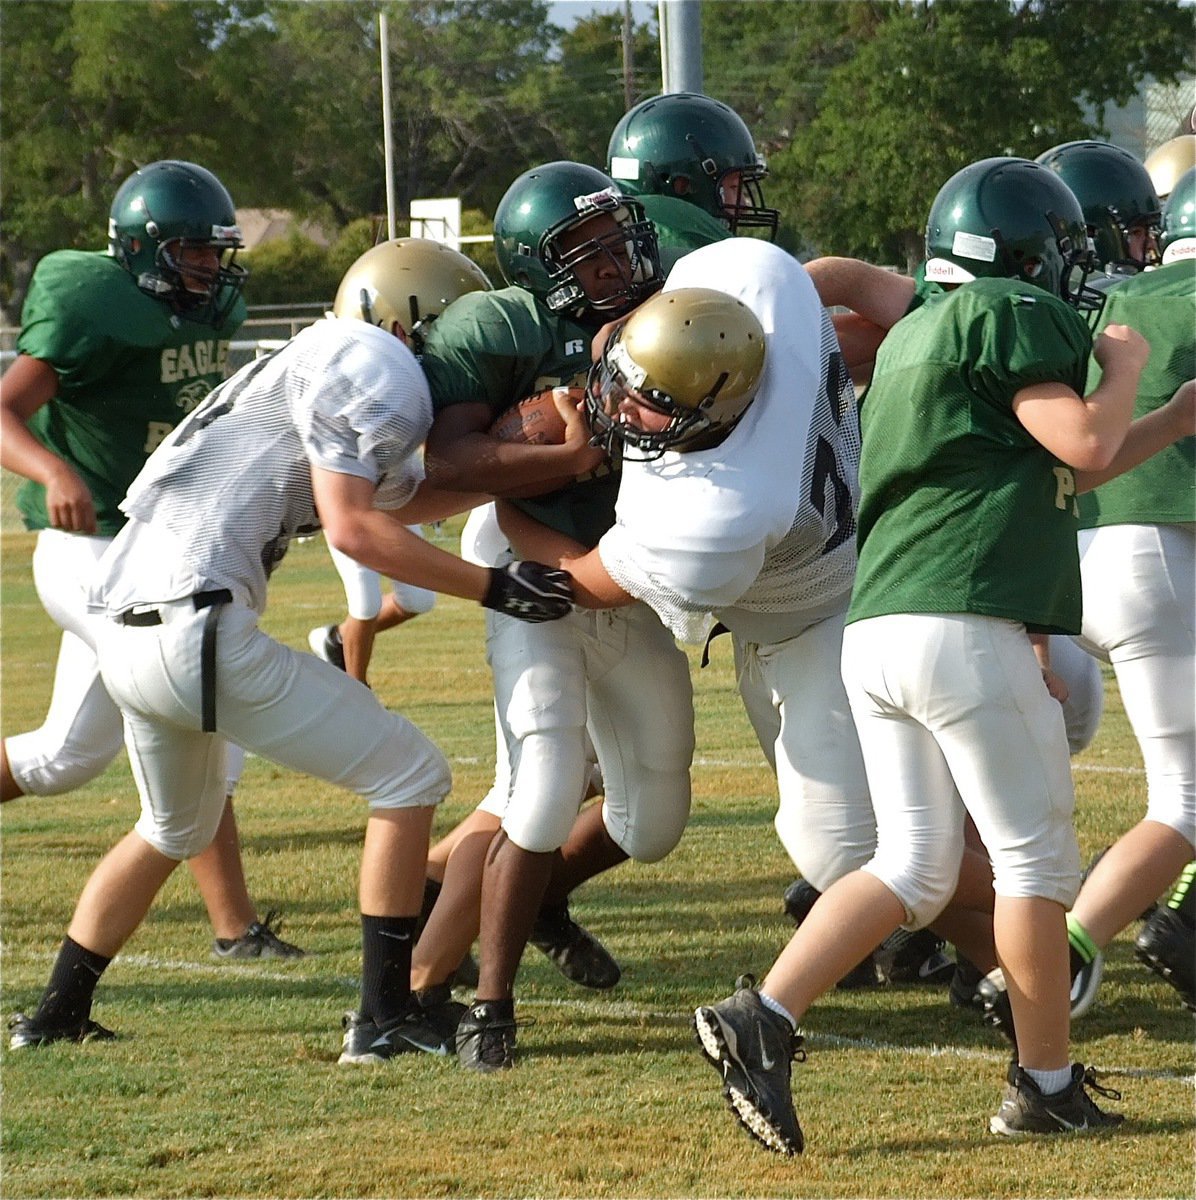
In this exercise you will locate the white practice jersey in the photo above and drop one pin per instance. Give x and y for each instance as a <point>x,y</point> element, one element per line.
<point>758,532</point>
<point>218,502</point>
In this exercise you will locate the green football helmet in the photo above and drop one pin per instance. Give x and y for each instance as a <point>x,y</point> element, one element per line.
<point>1011,218</point>
<point>407,282</point>
<point>684,144</point>
<point>1116,193</point>
<point>693,355</point>
<point>551,200</point>
<point>1178,237</point>
<point>169,206</point>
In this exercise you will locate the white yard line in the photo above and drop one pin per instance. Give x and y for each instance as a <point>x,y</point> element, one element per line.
<point>619,1010</point>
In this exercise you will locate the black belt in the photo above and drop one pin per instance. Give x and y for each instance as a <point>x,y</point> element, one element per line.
<point>207,650</point>
<point>717,631</point>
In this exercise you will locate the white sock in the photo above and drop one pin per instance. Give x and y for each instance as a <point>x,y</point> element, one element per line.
<point>777,1007</point>
<point>1050,1082</point>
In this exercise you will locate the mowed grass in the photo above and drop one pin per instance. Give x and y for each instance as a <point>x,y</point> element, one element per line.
<point>226,1083</point>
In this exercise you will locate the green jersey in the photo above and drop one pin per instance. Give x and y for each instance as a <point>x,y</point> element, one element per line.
<point>961,510</point>
<point>681,227</point>
<point>1161,305</point>
<point>127,374</point>
<point>496,348</point>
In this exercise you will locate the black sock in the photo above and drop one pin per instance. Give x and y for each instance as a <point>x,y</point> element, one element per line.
<point>431,893</point>
<point>386,944</point>
<point>1076,961</point>
<point>68,995</point>
<point>503,1009</point>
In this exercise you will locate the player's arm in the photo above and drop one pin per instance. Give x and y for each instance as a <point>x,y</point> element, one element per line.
<point>1148,435</point>
<point>879,296</point>
<point>592,585</point>
<point>1086,432</point>
<point>380,540</point>
<point>1056,686</point>
<point>435,504</point>
<point>462,456</point>
<point>27,385</point>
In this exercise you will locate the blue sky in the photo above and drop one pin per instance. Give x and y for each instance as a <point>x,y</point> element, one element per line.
<point>566,12</point>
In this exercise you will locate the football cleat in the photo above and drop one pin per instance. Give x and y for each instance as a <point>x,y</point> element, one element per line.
<point>365,1041</point>
<point>26,1031</point>
<point>325,642</point>
<point>486,1041</point>
<point>1167,945</point>
<point>752,1049</point>
<point>1025,1110</point>
<point>574,951</point>
<point>917,957</point>
<point>258,941</point>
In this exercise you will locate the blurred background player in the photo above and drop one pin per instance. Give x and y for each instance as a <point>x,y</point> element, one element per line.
<point>437,275</point>
<point>692,163</point>
<point>115,349</point>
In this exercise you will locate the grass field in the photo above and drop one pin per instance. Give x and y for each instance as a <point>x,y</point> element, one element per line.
<point>227,1083</point>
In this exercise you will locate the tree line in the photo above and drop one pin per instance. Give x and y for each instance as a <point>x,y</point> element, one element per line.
<point>862,107</point>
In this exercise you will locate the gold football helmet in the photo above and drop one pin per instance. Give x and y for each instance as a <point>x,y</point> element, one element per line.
<point>693,355</point>
<point>408,282</point>
<point>1168,162</point>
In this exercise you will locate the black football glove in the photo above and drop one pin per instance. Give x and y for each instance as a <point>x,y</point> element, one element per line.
<point>530,591</point>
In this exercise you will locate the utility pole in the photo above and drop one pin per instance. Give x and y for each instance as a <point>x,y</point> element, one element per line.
<point>680,45</point>
<point>628,59</point>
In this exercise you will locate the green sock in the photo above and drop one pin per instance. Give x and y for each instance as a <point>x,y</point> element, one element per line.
<point>1183,895</point>
<point>1079,941</point>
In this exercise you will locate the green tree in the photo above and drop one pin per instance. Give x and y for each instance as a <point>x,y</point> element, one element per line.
<point>932,87</point>
<point>92,91</point>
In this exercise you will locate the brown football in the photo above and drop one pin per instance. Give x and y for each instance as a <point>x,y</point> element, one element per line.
<point>534,421</point>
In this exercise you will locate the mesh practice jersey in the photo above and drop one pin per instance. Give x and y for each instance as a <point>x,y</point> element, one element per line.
<point>760,529</point>
<point>1160,305</point>
<point>962,510</point>
<point>218,503</point>
<point>128,372</point>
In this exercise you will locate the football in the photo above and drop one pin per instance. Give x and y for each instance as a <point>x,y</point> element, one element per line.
<point>535,421</point>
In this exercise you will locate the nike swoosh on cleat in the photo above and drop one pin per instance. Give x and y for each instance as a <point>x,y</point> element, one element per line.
<point>766,1062</point>
<point>1069,1125</point>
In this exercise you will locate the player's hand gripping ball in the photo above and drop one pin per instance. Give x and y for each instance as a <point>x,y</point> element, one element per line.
<point>536,420</point>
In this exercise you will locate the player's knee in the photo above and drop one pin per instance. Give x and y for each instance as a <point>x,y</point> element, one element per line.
<point>420,784</point>
<point>539,829</point>
<point>820,856</point>
<point>51,772</point>
<point>923,884</point>
<point>650,824</point>
<point>181,839</point>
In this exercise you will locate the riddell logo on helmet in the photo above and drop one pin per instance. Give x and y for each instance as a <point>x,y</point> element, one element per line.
<point>604,201</point>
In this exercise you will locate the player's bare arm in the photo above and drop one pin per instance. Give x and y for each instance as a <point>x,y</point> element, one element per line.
<point>28,385</point>
<point>879,296</point>
<point>1086,432</point>
<point>461,455</point>
<point>438,504</point>
<point>1149,434</point>
<point>380,540</point>
<point>592,585</point>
